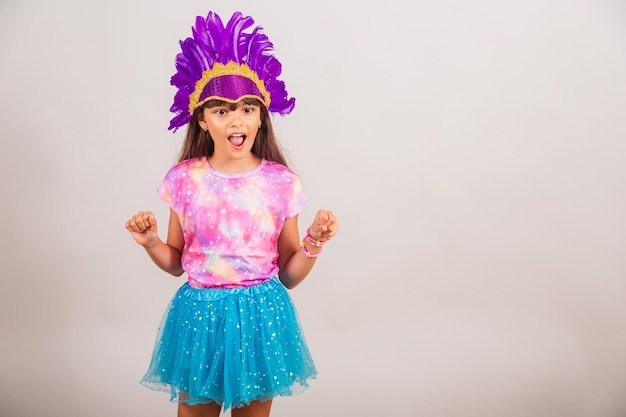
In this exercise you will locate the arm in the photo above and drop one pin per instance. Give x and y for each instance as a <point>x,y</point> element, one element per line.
<point>294,265</point>
<point>166,255</point>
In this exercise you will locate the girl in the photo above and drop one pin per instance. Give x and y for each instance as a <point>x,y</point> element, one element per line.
<point>230,337</point>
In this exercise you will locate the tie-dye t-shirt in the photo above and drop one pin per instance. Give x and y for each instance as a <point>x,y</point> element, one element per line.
<point>231,222</point>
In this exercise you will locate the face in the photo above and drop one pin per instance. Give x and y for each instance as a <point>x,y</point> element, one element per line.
<point>233,130</point>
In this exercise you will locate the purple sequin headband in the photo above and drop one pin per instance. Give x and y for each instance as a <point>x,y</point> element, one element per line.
<point>224,63</point>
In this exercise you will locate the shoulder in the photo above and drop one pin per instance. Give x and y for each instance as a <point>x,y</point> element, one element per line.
<point>284,179</point>
<point>280,170</point>
<point>184,167</point>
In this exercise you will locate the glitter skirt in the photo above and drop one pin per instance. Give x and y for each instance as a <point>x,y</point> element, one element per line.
<point>230,346</point>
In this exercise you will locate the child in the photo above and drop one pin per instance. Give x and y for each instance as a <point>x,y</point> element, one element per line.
<point>230,337</point>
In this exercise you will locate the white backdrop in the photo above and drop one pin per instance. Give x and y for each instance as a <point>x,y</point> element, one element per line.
<point>473,152</point>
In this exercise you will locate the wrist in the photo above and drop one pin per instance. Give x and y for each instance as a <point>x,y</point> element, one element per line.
<point>310,250</point>
<point>311,247</point>
<point>152,243</point>
<point>314,241</point>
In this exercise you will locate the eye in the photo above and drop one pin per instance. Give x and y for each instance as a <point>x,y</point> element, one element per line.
<point>219,111</point>
<point>249,110</point>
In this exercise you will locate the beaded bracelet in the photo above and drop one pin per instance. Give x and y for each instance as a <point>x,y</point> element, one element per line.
<point>312,240</point>
<point>315,242</point>
<point>306,251</point>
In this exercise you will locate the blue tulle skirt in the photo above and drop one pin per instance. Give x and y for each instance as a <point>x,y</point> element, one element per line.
<point>230,346</point>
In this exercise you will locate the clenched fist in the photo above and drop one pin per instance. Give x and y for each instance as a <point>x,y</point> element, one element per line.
<point>143,228</point>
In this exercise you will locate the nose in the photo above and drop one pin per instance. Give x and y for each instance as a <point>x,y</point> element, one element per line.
<point>236,119</point>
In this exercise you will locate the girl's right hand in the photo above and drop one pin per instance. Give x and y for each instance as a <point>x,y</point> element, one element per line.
<point>143,228</point>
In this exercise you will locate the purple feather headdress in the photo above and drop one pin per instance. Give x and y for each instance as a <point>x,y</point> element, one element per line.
<point>227,64</point>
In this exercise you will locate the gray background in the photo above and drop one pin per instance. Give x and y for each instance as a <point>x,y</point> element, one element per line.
<point>473,151</point>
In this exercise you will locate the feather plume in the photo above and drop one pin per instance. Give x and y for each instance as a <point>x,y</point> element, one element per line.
<point>212,43</point>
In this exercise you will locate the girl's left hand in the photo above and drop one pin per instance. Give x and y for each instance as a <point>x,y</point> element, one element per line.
<point>324,226</point>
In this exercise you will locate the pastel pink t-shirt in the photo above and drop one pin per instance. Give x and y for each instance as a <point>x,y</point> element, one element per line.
<point>231,222</point>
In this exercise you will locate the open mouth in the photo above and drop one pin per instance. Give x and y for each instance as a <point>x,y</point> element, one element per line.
<point>237,139</point>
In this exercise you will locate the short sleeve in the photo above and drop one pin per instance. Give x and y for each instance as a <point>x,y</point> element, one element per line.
<point>167,190</point>
<point>164,192</point>
<point>297,200</point>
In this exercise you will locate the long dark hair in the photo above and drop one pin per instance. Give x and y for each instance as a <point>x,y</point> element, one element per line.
<point>199,143</point>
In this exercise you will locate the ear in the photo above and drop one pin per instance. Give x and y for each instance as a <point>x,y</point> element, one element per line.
<point>201,122</point>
